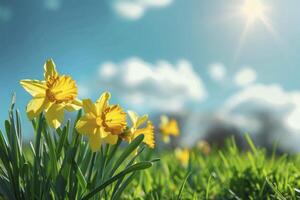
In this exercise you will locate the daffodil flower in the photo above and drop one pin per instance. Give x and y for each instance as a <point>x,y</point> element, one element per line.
<point>53,95</point>
<point>168,127</point>
<point>136,130</point>
<point>101,123</point>
<point>183,155</point>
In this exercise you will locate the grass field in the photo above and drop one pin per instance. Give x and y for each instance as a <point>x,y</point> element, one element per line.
<point>222,174</point>
<point>107,153</point>
<point>196,173</point>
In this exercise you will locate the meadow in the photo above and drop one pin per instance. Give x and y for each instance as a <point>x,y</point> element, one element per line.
<point>102,156</point>
<point>228,173</point>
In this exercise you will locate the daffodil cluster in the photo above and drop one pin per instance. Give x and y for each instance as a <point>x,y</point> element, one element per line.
<point>100,123</point>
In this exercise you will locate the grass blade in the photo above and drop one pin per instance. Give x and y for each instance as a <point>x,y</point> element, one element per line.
<point>133,168</point>
<point>182,186</point>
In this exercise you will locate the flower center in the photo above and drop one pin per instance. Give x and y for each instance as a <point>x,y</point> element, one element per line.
<point>50,95</point>
<point>99,121</point>
<point>61,89</point>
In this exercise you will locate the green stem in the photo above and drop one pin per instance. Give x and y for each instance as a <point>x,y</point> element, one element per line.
<point>105,158</point>
<point>91,167</point>
<point>37,154</point>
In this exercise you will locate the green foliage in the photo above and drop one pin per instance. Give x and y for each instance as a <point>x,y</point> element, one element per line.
<point>60,165</point>
<point>223,174</point>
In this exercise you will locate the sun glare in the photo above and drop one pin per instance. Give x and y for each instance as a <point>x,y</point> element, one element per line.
<point>253,10</point>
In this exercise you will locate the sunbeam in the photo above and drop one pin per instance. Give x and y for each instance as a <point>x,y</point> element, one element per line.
<point>254,11</point>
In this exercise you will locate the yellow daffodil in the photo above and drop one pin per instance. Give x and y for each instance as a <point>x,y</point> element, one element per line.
<point>183,155</point>
<point>135,130</point>
<point>101,123</point>
<point>53,95</point>
<point>168,127</point>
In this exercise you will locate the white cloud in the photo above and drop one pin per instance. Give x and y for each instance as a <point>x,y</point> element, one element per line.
<point>108,70</point>
<point>245,77</point>
<point>129,10</point>
<point>135,9</point>
<point>5,13</point>
<point>285,105</point>
<point>267,111</point>
<point>161,85</point>
<point>52,5</point>
<point>217,71</point>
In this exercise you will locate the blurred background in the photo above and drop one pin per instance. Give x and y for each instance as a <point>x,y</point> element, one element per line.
<point>220,67</point>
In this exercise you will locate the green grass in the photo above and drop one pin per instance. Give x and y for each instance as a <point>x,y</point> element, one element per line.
<point>60,165</point>
<point>223,174</point>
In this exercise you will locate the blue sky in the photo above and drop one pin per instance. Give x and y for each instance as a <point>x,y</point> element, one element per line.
<point>83,36</point>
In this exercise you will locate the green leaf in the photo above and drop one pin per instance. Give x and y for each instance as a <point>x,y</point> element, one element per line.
<point>277,192</point>
<point>52,153</point>
<point>5,189</point>
<point>251,144</point>
<point>123,186</point>
<point>35,187</point>
<point>62,140</point>
<point>3,149</point>
<point>113,151</point>
<point>80,177</point>
<point>182,186</point>
<point>133,168</point>
<point>128,165</point>
<point>128,150</point>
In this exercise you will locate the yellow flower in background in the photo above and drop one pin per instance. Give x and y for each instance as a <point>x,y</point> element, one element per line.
<point>53,95</point>
<point>183,155</point>
<point>168,127</point>
<point>204,147</point>
<point>135,130</point>
<point>101,123</point>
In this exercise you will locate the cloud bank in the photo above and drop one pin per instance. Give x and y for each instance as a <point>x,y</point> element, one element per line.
<point>160,85</point>
<point>284,104</point>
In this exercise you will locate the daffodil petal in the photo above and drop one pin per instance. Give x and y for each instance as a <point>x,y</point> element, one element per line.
<point>111,139</point>
<point>103,133</point>
<point>55,115</point>
<point>86,124</point>
<point>89,106</point>
<point>34,87</point>
<point>174,130</point>
<point>95,141</point>
<point>148,133</point>
<point>75,105</point>
<point>50,69</point>
<point>115,119</point>
<point>133,116</point>
<point>35,107</point>
<point>141,120</point>
<point>102,102</point>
